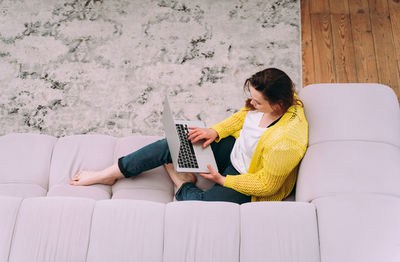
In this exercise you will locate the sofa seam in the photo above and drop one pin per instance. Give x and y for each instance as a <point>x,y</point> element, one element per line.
<point>24,183</point>
<point>15,228</point>
<point>353,140</point>
<point>90,232</point>
<point>318,231</point>
<point>240,232</point>
<point>335,195</point>
<point>50,164</point>
<point>159,189</point>
<point>163,232</point>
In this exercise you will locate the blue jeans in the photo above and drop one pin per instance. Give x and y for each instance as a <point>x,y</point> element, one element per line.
<point>157,154</point>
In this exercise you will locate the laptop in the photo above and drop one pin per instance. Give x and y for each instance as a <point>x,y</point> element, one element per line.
<point>186,157</point>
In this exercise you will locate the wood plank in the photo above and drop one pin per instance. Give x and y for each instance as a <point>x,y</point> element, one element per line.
<point>319,6</point>
<point>364,52</point>
<point>339,6</point>
<point>345,66</point>
<point>378,7</point>
<point>384,49</point>
<point>306,44</point>
<point>358,7</point>
<point>322,48</point>
<point>394,9</point>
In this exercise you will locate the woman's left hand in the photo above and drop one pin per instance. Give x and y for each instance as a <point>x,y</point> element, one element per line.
<point>213,176</point>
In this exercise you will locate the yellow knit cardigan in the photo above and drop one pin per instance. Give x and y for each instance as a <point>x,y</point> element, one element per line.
<point>273,167</point>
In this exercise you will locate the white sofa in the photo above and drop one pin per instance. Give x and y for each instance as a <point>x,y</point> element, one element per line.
<point>347,204</point>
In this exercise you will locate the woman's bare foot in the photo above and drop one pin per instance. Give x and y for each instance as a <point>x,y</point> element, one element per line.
<point>106,176</point>
<point>179,178</point>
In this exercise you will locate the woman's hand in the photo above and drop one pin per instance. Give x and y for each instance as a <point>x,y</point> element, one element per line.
<point>213,176</point>
<point>199,133</point>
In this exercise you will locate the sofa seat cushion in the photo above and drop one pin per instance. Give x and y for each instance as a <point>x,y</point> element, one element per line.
<point>22,190</point>
<point>359,227</point>
<point>333,168</point>
<point>95,192</point>
<point>154,185</point>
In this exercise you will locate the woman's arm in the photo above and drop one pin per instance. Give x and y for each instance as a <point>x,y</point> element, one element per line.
<point>230,125</point>
<point>227,127</point>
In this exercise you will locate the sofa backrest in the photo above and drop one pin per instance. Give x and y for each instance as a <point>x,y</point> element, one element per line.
<point>351,112</point>
<point>25,163</point>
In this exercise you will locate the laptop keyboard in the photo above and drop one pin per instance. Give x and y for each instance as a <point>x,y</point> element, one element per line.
<point>186,157</point>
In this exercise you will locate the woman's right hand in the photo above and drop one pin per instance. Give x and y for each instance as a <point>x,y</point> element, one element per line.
<point>200,133</point>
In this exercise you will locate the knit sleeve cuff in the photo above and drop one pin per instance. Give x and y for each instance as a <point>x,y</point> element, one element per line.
<point>220,132</point>
<point>228,181</point>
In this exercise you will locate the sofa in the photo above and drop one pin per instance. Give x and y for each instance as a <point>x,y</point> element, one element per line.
<point>346,205</point>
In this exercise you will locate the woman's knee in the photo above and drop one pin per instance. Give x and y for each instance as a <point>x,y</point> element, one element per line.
<point>162,143</point>
<point>161,146</point>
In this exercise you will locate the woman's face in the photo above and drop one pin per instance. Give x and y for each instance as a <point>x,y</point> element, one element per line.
<point>260,103</point>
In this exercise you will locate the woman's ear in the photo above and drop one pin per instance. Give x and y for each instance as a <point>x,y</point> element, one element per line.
<point>278,107</point>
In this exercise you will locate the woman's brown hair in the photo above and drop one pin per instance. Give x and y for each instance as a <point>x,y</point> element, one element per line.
<point>276,86</point>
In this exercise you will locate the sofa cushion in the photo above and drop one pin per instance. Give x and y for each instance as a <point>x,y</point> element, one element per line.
<point>154,184</point>
<point>351,112</point>
<point>135,229</point>
<point>278,231</point>
<point>52,229</point>
<point>22,190</point>
<point>9,207</point>
<point>359,227</point>
<point>129,144</point>
<point>333,168</point>
<point>201,231</point>
<point>80,152</point>
<point>24,164</point>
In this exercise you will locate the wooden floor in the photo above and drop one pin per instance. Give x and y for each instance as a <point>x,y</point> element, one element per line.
<point>351,41</point>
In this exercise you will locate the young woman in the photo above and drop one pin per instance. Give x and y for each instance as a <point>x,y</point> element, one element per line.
<point>257,149</point>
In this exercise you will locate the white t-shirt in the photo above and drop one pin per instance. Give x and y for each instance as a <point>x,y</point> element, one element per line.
<point>246,143</point>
